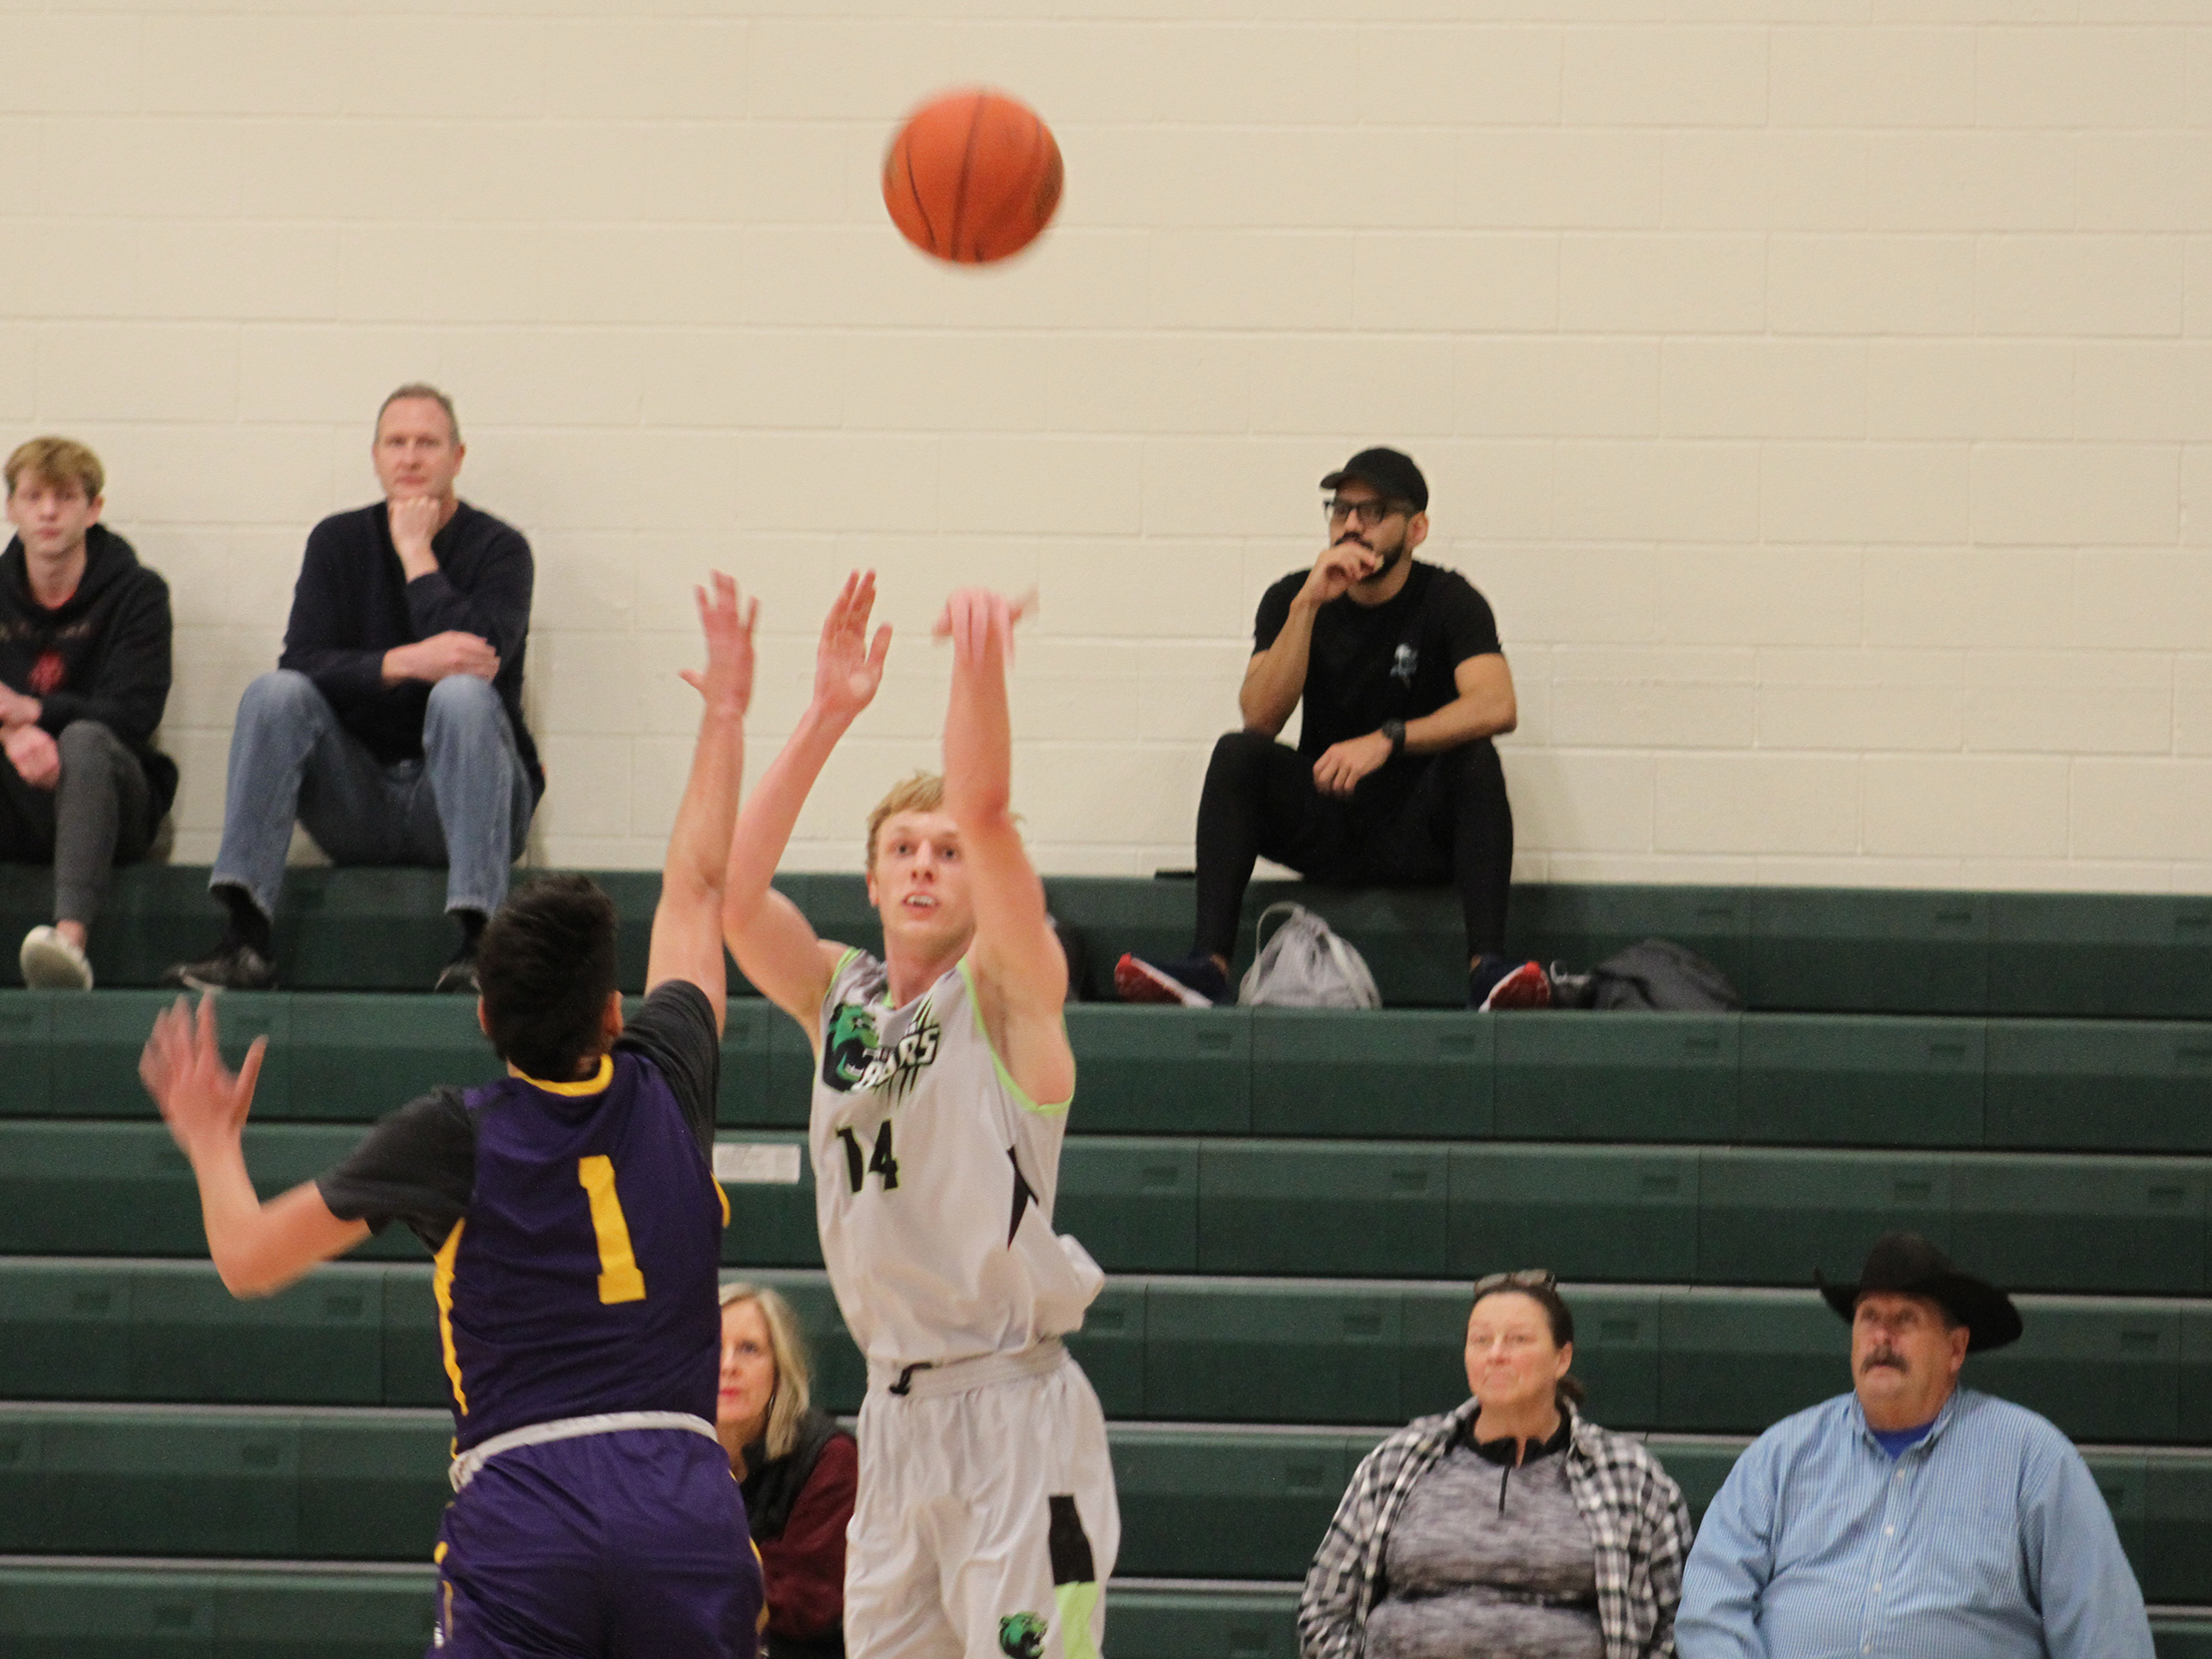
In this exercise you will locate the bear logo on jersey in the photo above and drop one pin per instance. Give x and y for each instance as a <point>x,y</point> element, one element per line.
<point>1021,1636</point>
<point>856,1057</point>
<point>851,1043</point>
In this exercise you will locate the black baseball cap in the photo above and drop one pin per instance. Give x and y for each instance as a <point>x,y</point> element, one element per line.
<point>1389,472</point>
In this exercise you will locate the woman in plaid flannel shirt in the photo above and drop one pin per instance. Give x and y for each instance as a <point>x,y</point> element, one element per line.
<point>1509,1526</point>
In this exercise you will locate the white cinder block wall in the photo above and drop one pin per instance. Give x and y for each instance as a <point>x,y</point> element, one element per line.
<point>1821,389</point>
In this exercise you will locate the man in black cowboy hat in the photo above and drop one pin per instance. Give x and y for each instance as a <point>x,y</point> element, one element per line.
<point>1911,1517</point>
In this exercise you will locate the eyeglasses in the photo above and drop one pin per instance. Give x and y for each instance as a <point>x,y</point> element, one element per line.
<point>1521,1278</point>
<point>1368,513</point>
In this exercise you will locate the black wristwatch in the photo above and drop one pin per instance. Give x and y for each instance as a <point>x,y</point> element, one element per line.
<point>1394,730</point>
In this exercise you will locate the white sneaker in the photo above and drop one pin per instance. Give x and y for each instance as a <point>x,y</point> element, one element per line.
<point>52,964</point>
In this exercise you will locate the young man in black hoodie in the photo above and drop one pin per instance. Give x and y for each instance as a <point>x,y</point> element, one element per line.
<point>392,728</point>
<point>84,676</point>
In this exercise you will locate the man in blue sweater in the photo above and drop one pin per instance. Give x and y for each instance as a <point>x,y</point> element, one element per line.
<point>391,728</point>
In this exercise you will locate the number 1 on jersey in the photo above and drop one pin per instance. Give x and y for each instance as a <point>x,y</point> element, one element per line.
<point>619,1278</point>
<point>880,1162</point>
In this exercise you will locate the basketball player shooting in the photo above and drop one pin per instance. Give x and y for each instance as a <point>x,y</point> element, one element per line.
<point>986,1520</point>
<point>577,1226</point>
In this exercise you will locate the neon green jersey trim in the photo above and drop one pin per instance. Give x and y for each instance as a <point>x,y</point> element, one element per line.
<point>1022,1095</point>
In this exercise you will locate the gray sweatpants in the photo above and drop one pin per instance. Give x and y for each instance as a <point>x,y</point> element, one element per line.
<point>98,816</point>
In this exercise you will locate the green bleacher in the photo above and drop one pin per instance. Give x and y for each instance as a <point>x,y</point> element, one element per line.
<point>1816,950</point>
<point>1290,1205</point>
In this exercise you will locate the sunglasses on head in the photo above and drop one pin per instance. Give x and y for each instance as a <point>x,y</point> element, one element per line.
<point>1521,1278</point>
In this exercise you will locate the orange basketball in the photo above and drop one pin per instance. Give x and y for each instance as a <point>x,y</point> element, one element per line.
<point>972,176</point>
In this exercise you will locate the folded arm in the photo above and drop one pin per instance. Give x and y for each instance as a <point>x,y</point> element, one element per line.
<point>258,1247</point>
<point>1020,969</point>
<point>495,606</point>
<point>686,924</point>
<point>772,943</point>
<point>1483,707</point>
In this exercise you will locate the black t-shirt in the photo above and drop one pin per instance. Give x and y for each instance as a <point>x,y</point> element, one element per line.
<point>1393,661</point>
<point>419,1165</point>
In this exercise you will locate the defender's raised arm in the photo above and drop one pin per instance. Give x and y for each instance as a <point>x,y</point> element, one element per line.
<point>687,925</point>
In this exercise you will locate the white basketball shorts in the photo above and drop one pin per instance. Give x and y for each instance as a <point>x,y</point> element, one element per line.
<point>986,1524</point>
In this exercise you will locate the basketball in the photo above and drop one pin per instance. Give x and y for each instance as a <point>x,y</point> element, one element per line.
<point>972,176</point>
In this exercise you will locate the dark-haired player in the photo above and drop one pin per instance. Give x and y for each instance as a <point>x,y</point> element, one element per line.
<point>577,1225</point>
<point>987,1521</point>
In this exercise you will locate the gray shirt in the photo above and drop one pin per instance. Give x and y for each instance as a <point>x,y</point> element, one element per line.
<point>1487,1562</point>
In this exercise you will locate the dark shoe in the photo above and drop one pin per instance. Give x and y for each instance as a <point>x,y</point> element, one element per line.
<point>459,975</point>
<point>1195,982</point>
<point>1527,986</point>
<point>230,966</point>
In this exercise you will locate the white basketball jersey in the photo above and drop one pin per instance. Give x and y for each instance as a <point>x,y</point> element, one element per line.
<point>935,1179</point>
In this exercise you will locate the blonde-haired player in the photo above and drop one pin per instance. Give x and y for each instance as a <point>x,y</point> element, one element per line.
<point>986,1521</point>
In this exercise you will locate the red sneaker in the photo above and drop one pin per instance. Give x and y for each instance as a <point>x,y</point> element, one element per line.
<point>1137,980</point>
<point>1527,986</point>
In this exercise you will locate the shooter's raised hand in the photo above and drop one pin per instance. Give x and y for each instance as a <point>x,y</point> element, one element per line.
<point>726,679</point>
<point>974,619</point>
<point>848,667</point>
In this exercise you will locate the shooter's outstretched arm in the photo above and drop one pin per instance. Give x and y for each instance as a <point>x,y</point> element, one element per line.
<point>1019,966</point>
<point>772,943</point>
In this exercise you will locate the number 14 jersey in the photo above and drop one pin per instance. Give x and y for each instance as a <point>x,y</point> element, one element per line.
<point>935,1179</point>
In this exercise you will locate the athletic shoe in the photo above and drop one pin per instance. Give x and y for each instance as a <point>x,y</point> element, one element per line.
<point>1194,981</point>
<point>232,966</point>
<point>1527,986</point>
<point>460,974</point>
<point>52,964</point>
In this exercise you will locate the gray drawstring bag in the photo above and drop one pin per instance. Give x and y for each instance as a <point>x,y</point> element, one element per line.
<point>1306,965</point>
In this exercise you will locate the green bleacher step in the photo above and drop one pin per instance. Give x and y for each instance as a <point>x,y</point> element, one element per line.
<point>2093,955</point>
<point>195,1610</point>
<point>1760,1079</point>
<point>1196,1502</point>
<point>1637,1214</point>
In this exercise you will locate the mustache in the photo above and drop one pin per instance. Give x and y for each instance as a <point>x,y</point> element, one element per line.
<point>1882,1357</point>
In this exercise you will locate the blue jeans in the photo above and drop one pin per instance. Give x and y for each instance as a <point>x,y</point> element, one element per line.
<point>466,804</point>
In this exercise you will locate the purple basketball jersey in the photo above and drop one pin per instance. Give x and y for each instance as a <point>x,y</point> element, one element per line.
<point>582,1280</point>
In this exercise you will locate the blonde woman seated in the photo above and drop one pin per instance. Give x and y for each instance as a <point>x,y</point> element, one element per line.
<point>797,1469</point>
<point>1510,1527</point>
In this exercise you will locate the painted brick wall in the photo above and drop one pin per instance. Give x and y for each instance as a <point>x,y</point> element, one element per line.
<point>1821,389</point>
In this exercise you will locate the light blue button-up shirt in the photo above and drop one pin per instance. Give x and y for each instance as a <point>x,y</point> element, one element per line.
<point>1987,1540</point>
